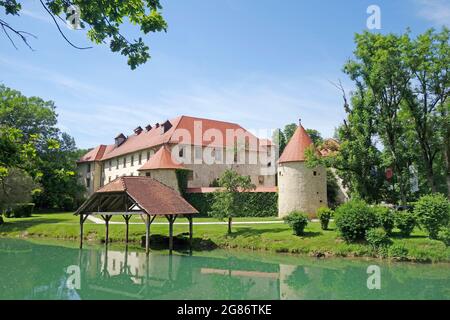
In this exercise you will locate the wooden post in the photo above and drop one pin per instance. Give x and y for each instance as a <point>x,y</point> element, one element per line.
<point>107,218</point>
<point>147,235</point>
<point>127,219</point>
<point>81,231</point>
<point>171,219</point>
<point>190,232</point>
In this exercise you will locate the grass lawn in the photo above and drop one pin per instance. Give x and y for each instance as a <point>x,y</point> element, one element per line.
<point>270,237</point>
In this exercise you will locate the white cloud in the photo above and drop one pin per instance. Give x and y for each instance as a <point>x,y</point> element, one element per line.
<point>258,106</point>
<point>436,11</point>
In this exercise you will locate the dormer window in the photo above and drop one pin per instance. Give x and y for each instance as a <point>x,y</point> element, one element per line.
<point>120,139</point>
<point>166,126</point>
<point>138,130</point>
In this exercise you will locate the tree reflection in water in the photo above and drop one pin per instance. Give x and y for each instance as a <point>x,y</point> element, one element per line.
<point>35,271</point>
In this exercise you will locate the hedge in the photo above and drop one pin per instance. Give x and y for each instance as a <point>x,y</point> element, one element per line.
<point>20,210</point>
<point>257,204</point>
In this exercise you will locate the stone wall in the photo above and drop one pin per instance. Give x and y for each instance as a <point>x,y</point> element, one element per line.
<point>301,188</point>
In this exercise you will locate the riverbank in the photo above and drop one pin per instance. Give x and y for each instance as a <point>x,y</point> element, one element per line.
<point>276,237</point>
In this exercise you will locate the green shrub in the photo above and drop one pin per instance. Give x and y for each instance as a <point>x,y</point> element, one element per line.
<point>405,222</point>
<point>255,204</point>
<point>20,210</point>
<point>398,252</point>
<point>23,210</point>
<point>378,238</point>
<point>444,235</point>
<point>354,218</point>
<point>432,212</point>
<point>385,218</point>
<point>324,214</point>
<point>297,221</point>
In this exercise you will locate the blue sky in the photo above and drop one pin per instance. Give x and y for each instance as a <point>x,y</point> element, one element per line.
<point>260,63</point>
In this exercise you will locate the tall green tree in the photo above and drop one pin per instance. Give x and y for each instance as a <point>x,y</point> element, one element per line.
<point>428,60</point>
<point>279,140</point>
<point>315,136</point>
<point>16,187</point>
<point>228,201</point>
<point>379,66</point>
<point>103,18</point>
<point>31,124</point>
<point>289,131</point>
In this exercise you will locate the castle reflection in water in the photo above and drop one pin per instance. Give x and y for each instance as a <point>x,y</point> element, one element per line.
<point>35,271</point>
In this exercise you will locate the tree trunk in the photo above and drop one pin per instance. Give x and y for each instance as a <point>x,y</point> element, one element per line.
<point>229,224</point>
<point>430,176</point>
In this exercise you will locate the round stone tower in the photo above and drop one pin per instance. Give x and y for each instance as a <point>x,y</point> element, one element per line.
<point>300,188</point>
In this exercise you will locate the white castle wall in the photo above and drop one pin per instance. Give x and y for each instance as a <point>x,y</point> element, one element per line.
<point>301,188</point>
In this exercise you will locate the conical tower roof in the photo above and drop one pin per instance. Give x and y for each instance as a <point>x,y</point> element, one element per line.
<point>295,149</point>
<point>162,159</point>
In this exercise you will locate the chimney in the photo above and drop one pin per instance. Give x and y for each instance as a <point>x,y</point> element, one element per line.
<point>148,127</point>
<point>166,126</point>
<point>138,130</point>
<point>120,139</point>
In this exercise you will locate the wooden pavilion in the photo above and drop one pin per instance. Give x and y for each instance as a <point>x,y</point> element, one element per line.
<point>144,196</point>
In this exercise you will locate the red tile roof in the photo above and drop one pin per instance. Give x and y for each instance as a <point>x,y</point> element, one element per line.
<point>183,127</point>
<point>295,149</point>
<point>161,160</point>
<point>95,154</point>
<point>151,195</point>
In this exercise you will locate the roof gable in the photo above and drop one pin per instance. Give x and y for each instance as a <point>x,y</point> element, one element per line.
<point>161,160</point>
<point>151,195</point>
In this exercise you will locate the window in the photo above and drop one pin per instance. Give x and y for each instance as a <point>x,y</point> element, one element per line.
<point>218,154</point>
<point>147,174</point>
<point>110,165</point>
<point>109,179</point>
<point>124,162</point>
<point>89,167</point>
<point>269,164</point>
<point>198,152</point>
<point>315,173</point>
<point>140,158</point>
<point>132,160</point>
<point>190,176</point>
<point>148,155</point>
<point>132,174</point>
<point>181,152</point>
<point>117,163</point>
<point>88,182</point>
<point>117,176</point>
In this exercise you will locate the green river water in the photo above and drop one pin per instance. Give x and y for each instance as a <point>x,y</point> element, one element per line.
<point>52,270</point>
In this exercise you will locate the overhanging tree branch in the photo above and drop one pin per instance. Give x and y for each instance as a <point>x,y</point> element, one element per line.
<point>59,28</point>
<point>21,34</point>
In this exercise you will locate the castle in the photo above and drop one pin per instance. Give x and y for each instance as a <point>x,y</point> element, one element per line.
<point>204,149</point>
